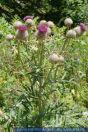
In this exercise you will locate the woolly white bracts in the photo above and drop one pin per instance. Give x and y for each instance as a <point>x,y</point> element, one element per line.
<point>50,24</point>
<point>41,36</point>
<point>55,58</point>
<point>21,35</point>
<point>49,31</point>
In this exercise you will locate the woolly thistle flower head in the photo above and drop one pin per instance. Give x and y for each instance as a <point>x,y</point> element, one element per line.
<point>27,17</point>
<point>42,28</point>
<point>68,22</point>
<point>22,33</point>
<point>22,28</point>
<point>82,26</point>
<point>17,24</point>
<point>71,34</point>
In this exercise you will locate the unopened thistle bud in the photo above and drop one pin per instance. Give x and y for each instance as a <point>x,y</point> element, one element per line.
<point>55,58</point>
<point>42,22</point>
<point>17,24</point>
<point>71,34</point>
<point>50,24</point>
<point>29,23</point>
<point>68,22</point>
<point>78,30</point>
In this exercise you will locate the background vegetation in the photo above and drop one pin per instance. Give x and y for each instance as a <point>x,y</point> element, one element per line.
<point>55,10</point>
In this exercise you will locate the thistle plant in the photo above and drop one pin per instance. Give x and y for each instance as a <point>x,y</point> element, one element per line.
<point>42,69</point>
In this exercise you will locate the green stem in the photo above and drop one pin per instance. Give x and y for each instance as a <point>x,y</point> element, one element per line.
<point>64,45</point>
<point>56,72</point>
<point>40,88</point>
<point>46,80</point>
<point>18,47</point>
<point>40,104</point>
<point>19,57</point>
<point>41,54</point>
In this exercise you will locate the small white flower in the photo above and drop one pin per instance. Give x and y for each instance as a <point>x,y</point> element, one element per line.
<point>85,113</point>
<point>68,22</point>
<point>50,24</point>
<point>71,34</point>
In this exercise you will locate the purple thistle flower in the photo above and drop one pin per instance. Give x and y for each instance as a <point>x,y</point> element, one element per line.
<point>42,28</point>
<point>27,17</point>
<point>22,28</point>
<point>82,26</point>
